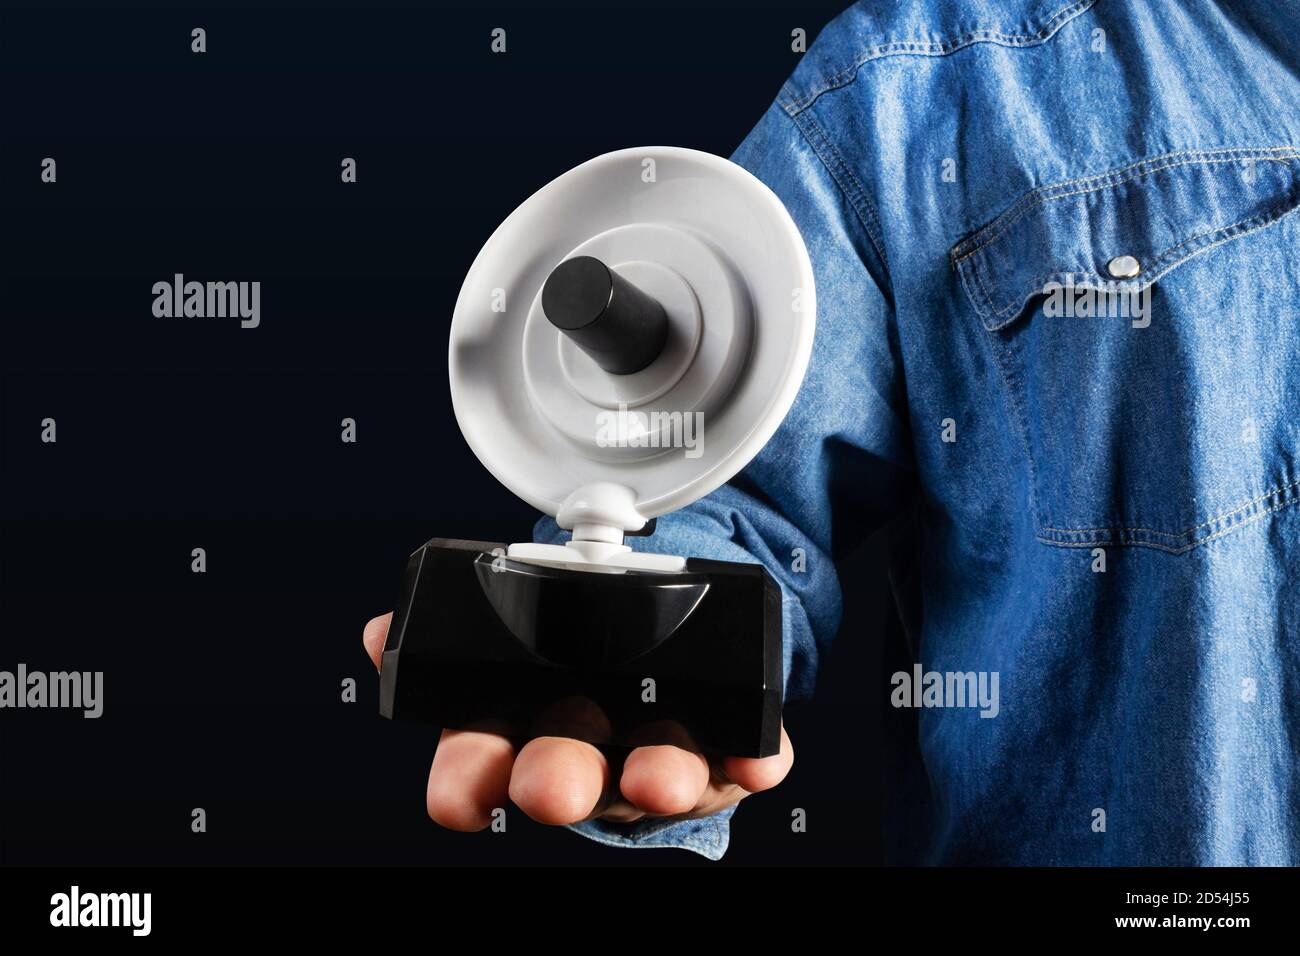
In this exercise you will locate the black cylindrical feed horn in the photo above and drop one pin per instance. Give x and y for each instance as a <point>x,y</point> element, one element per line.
<point>609,318</point>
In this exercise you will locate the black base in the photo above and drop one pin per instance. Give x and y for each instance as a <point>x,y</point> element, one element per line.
<point>634,658</point>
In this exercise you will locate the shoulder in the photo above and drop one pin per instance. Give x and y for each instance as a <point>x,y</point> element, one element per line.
<point>875,30</point>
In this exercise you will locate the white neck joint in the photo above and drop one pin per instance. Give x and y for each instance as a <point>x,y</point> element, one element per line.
<point>600,512</point>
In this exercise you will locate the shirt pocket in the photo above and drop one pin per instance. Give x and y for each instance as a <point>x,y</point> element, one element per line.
<point>1145,324</point>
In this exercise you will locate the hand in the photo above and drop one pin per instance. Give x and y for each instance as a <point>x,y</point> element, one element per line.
<point>558,780</point>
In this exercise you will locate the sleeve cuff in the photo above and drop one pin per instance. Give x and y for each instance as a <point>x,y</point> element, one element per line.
<point>707,836</point>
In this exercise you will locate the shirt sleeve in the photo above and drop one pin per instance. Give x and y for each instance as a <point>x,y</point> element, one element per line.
<point>834,470</point>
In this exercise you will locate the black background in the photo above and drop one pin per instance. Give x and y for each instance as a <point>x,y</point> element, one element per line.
<point>223,689</point>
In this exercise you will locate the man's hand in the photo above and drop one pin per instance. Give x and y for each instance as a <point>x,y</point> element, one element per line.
<point>558,780</point>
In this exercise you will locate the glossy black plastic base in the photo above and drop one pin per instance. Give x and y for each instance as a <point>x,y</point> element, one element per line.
<point>627,658</point>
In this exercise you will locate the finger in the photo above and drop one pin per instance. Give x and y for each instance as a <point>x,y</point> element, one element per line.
<point>470,778</point>
<point>374,635</point>
<point>760,773</point>
<point>559,781</point>
<point>664,780</point>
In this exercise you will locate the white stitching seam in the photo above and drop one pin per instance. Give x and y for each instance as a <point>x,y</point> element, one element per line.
<point>1045,194</point>
<point>1168,261</point>
<point>820,144</point>
<point>1279,491</point>
<point>1164,547</point>
<point>921,48</point>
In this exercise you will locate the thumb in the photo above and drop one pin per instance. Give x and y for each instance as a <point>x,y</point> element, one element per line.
<point>374,636</point>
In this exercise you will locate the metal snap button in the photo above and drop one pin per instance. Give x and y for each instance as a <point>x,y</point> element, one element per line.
<point>1124,267</point>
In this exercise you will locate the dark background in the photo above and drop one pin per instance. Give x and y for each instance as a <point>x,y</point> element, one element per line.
<point>222,690</point>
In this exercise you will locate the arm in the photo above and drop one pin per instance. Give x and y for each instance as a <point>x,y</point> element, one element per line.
<point>836,465</point>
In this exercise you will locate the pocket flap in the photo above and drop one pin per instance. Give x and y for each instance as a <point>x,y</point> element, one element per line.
<point>1160,212</point>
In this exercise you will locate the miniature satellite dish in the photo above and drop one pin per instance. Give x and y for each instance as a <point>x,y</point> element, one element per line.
<point>630,337</point>
<point>625,342</point>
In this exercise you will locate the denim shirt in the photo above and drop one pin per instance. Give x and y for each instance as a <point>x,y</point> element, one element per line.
<point>1058,289</point>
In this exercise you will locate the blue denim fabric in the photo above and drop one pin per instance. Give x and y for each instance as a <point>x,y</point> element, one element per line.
<point>1113,530</point>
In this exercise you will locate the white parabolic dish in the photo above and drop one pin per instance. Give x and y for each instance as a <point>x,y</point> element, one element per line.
<point>719,251</point>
